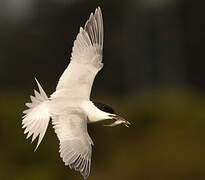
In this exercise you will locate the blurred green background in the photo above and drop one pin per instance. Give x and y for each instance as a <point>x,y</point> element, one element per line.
<point>153,76</point>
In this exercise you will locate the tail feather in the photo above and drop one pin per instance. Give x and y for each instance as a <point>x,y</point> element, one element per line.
<point>37,116</point>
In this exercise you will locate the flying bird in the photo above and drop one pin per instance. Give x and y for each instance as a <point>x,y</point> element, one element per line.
<point>70,107</point>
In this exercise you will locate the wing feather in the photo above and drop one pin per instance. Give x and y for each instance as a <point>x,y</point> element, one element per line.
<point>75,143</point>
<point>86,58</point>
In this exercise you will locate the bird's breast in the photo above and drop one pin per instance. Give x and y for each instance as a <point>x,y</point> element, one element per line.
<point>62,105</point>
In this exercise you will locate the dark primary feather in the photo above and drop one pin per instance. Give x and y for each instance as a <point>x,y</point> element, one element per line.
<point>104,107</point>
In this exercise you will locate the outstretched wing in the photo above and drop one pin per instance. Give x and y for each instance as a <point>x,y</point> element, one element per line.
<point>86,59</point>
<point>75,143</point>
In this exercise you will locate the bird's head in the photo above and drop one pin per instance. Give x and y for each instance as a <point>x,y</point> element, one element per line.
<point>112,115</point>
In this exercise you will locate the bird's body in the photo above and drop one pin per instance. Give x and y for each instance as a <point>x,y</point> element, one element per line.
<point>69,107</point>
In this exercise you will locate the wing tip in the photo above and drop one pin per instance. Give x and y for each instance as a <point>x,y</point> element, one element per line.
<point>94,27</point>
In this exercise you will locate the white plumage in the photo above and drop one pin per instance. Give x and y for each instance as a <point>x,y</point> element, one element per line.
<point>37,117</point>
<point>65,105</point>
<point>69,106</point>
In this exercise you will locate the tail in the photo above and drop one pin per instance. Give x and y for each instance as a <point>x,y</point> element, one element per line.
<point>37,116</point>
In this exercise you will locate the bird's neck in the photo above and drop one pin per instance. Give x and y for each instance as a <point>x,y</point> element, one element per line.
<point>94,114</point>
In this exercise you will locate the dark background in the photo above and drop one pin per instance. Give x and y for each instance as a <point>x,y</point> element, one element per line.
<point>153,76</point>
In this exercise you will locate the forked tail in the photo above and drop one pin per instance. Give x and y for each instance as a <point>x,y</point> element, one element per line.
<point>37,116</point>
